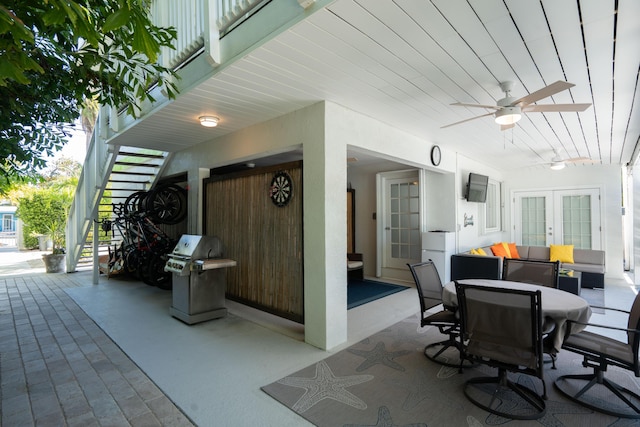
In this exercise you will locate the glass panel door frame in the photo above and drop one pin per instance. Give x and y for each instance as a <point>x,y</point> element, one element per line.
<point>386,227</point>
<point>582,212</point>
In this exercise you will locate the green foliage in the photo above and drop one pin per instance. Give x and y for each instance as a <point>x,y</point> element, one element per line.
<point>44,210</point>
<point>54,54</point>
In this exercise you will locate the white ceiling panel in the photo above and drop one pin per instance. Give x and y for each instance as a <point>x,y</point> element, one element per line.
<point>405,61</point>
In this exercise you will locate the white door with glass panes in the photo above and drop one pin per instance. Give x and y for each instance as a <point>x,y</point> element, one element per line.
<point>558,217</point>
<point>402,243</point>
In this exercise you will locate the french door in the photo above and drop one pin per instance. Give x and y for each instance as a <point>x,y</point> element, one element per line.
<point>402,236</point>
<point>559,217</point>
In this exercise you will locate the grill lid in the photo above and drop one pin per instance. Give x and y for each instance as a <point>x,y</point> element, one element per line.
<point>197,247</point>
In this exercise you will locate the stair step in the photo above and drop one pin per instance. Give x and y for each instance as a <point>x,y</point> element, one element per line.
<point>147,165</point>
<point>149,156</point>
<point>133,173</point>
<point>125,181</point>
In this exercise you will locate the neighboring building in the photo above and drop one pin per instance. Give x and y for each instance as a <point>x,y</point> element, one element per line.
<point>351,94</point>
<point>8,224</point>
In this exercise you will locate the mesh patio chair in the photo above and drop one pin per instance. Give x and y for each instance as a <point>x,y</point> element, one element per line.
<point>503,329</point>
<point>543,273</point>
<point>600,352</point>
<point>429,288</point>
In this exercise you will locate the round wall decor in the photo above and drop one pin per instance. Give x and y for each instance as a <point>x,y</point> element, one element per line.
<point>436,156</point>
<point>281,189</point>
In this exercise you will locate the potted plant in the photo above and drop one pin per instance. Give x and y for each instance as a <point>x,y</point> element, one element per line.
<point>55,262</point>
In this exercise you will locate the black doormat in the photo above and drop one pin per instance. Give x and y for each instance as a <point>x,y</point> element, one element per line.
<point>363,291</point>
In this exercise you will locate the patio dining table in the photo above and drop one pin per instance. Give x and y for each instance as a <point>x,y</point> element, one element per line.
<point>557,307</point>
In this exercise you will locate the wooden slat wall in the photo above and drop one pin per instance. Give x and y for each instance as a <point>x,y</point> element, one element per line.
<point>265,240</point>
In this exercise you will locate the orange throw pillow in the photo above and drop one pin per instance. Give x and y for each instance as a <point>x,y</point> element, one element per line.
<point>500,250</point>
<point>513,250</point>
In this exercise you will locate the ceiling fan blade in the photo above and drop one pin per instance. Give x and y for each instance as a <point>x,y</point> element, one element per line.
<point>560,108</point>
<point>580,159</point>
<point>466,120</point>
<point>461,104</point>
<point>552,89</point>
<point>505,127</point>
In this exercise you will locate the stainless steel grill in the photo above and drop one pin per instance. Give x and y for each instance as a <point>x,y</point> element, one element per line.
<point>199,278</point>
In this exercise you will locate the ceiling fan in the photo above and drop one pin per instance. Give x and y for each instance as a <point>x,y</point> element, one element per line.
<point>509,109</point>
<point>558,162</point>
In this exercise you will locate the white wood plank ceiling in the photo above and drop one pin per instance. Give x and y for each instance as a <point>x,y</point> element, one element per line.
<point>405,62</point>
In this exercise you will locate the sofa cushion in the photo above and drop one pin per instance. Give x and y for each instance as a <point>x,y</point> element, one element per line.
<point>562,253</point>
<point>585,268</point>
<point>588,256</point>
<point>540,253</point>
<point>523,251</point>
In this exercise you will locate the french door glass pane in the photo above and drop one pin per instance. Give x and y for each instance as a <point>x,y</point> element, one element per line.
<point>576,221</point>
<point>533,221</point>
<point>405,221</point>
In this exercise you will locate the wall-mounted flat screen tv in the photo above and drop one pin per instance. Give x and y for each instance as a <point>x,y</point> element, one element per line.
<point>477,188</point>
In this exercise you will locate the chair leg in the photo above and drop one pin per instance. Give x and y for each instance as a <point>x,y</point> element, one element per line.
<point>536,405</point>
<point>447,344</point>
<point>622,393</point>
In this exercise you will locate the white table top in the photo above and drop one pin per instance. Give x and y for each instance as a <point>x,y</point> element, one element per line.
<point>557,306</point>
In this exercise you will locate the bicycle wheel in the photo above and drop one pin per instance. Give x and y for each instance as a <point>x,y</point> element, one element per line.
<point>156,276</point>
<point>135,202</point>
<point>167,204</point>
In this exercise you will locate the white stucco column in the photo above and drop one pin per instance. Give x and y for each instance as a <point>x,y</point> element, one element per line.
<point>325,241</point>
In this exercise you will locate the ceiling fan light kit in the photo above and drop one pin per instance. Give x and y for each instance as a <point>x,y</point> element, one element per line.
<point>508,115</point>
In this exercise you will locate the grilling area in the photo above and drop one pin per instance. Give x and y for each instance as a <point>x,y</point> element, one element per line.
<point>199,278</point>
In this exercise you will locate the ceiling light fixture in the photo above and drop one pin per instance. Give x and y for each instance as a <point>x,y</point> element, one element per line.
<point>208,121</point>
<point>556,166</point>
<point>508,115</point>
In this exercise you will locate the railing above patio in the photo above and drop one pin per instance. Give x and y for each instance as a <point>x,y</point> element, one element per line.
<point>199,24</point>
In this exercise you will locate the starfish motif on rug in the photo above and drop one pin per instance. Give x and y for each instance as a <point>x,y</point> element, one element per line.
<point>385,420</point>
<point>325,385</point>
<point>379,355</point>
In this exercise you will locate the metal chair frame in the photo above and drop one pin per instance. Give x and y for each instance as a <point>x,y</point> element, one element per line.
<point>599,361</point>
<point>445,320</point>
<point>534,402</point>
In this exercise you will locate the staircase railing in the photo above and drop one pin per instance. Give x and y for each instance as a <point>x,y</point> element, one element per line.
<point>91,184</point>
<point>198,24</point>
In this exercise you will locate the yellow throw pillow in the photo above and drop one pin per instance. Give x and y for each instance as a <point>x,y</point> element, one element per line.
<point>473,252</point>
<point>562,253</point>
<point>481,251</point>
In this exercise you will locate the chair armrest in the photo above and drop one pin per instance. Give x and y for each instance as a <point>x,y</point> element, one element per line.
<point>596,325</point>
<point>610,308</point>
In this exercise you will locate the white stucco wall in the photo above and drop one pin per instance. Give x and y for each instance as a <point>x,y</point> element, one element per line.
<point>471,236</point>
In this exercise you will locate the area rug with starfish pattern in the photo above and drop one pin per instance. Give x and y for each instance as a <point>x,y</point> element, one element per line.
<point>385,380</point>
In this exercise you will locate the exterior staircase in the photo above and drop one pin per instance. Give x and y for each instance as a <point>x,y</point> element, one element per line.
<point>127,170</point>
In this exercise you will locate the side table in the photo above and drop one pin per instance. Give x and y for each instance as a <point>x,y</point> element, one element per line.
<point>569,281</point>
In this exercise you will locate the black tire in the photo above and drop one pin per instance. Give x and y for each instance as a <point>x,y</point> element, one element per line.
<point>135,202</point>
<point>156,276</point>
<point>166,204</point>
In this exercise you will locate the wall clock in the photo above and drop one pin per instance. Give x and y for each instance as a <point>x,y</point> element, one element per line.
<point>281,189</point>
<point>436,156</point>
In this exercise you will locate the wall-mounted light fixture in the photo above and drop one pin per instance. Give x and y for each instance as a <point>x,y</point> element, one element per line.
<point>208,121</point>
